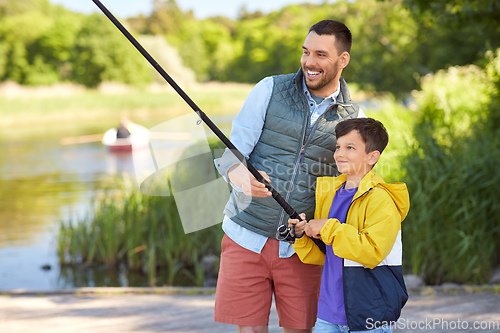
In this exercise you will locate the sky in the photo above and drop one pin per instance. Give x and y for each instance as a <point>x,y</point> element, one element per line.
<point>201,8</point>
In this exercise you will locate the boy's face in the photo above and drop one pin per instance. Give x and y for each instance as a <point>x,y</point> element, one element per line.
<point>351,157</point>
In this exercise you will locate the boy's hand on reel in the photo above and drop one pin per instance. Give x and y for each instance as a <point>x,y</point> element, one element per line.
<point>300,226</point>
<point>313,228</point>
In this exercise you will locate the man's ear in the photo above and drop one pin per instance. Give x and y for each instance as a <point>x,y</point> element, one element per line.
<point>373,157</point>
<point>345,57</point>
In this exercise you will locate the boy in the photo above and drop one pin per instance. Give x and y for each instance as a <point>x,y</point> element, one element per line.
<point>358,216</point>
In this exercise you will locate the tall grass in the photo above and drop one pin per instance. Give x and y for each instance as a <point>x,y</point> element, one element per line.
<point>453,229</point>
<point>144,232</point>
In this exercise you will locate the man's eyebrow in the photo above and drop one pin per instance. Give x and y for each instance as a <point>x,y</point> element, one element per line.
<point>317,51</point>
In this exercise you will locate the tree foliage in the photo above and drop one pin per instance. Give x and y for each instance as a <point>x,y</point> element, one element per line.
<point>455,32</point>
<point>395,42</point>
<point>43,44</point>
<point>459,12</point>
<point>102,54</point>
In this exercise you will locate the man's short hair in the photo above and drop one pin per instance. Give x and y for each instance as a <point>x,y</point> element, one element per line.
<point>343,37</point>
<point>372,131</point>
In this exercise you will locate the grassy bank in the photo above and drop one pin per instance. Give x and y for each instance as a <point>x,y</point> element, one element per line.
<point>71,110</point>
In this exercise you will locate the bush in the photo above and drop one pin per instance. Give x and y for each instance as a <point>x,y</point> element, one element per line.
<point>451,233</point>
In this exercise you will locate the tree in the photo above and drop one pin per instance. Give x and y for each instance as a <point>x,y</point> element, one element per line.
<point>459,12</point>
<point>17,33</point>
<point>101,53</point>
<point>452,229</point>
<point>166,18</point>
<point>35,41</point>
<point>384,54</point>
<point>456,32</point>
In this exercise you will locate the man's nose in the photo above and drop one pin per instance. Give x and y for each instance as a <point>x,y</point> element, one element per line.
<point>311,61</point>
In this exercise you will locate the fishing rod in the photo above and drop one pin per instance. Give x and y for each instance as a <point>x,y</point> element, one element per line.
<point>284,233</point>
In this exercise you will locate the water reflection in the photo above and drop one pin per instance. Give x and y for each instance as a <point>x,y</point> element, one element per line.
<point>43,183</point>
<point>109,276</point>
<point>83,276</point>
<point>40,180</point>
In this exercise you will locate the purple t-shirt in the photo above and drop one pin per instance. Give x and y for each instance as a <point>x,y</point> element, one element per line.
<point>331,296</point>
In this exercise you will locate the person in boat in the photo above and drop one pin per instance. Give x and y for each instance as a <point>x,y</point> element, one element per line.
<point>123,131</point>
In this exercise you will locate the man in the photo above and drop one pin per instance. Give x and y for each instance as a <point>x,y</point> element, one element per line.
<point>286,130</point>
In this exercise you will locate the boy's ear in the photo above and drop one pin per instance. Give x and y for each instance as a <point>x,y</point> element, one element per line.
<point>373,157</point>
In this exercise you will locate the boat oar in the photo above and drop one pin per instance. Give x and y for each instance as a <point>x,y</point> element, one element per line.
<point>171,136</point>
<point>81,139</point>
<point>284,232</point>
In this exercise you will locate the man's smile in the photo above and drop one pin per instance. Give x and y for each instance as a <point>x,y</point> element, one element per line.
<point>312,74</point>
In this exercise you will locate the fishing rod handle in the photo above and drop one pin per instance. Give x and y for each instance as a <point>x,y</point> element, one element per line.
<point>285,205</point>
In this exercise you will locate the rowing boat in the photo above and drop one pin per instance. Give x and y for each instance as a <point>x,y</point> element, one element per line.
<point>138,138</point>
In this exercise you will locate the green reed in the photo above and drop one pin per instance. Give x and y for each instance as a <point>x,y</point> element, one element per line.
<point>452,231</point>
<point>142,231</point>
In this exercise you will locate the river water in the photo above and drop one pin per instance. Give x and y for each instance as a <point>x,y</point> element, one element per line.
<point>41,184</point>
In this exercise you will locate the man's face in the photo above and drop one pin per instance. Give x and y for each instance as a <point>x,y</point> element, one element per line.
<point>320,64</point>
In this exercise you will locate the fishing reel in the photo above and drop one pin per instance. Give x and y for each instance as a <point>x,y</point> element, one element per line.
<point>287,234</point>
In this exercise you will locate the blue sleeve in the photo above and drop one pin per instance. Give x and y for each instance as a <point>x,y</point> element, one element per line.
<point>247,125</point>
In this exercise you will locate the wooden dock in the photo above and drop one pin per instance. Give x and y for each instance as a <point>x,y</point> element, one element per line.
<point>189,310</point>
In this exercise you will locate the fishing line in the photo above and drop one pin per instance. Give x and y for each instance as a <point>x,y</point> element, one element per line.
<point>284,232</point>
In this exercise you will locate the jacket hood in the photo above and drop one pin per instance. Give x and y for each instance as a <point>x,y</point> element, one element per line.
<point>397,191</point>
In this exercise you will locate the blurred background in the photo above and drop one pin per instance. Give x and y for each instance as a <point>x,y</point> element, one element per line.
<point>71,214</point>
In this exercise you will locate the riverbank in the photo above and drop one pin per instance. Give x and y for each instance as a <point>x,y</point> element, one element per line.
<point>190,310</point>
<point>69,110</point>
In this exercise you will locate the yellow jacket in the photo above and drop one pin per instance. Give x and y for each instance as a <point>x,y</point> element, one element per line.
<point>373,223</point>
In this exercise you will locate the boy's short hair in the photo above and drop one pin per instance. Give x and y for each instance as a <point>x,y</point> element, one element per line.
<point>372,131</point>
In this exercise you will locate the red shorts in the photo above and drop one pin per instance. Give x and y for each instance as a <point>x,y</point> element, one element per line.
<point>247,281</point>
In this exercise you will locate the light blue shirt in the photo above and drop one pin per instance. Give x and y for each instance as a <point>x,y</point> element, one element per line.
<point>245,133</point>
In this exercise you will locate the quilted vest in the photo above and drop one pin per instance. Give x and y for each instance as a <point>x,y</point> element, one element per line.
<point>291,154</point>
